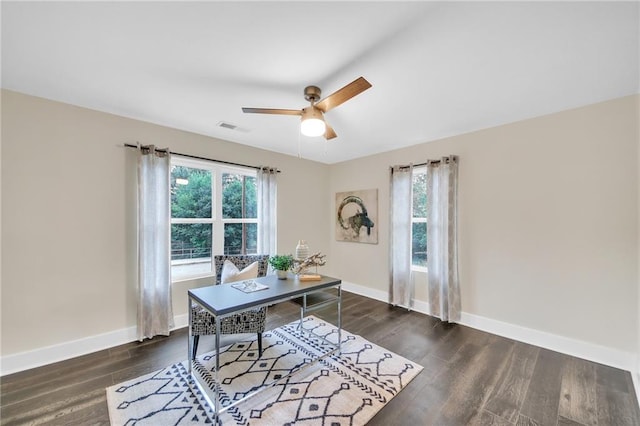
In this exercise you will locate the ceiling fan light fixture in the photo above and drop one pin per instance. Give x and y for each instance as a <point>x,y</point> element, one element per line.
<point>312,124</point>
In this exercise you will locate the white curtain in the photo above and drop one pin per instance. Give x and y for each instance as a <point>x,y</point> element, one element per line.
<point>267,221</point>
<point>155,316</point>
<point>442,238</point>
<point>401,289</point>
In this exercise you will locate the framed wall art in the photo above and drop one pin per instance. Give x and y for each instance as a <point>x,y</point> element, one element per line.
<point>356,216</point>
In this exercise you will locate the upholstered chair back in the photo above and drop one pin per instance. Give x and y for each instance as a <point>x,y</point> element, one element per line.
<point>241,261</point>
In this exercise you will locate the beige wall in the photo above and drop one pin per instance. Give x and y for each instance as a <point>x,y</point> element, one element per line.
<point>68,242</point>
<point>548,220</point>
<point>637,375</point>
<point>547,226</point>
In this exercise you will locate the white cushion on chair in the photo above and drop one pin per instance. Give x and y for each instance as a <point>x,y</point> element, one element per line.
<point>230,272</point>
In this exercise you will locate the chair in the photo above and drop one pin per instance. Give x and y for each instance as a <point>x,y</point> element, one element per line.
<point>250,321</point>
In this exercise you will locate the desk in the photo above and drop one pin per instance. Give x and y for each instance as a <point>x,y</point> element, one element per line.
<point>224,300</point>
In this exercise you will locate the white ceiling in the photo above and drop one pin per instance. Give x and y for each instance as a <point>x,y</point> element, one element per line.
<point>438,68</point>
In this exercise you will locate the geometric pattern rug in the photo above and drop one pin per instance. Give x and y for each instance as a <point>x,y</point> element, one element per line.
<point>346,388</point>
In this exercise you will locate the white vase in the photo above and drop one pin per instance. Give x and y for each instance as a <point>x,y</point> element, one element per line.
<point>302,250</point>
<point>282,275</point>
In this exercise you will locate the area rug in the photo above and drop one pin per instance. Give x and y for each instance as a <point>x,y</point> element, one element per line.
<point>346,388</point>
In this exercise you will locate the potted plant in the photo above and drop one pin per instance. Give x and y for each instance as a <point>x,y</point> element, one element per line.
<point>281,263</point>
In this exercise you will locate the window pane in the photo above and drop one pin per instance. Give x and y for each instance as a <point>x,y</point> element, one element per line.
<point>190,193</point>
<point>239,196</point>
<point>231,196</point>
<point>252,238</point>
<point>250,199</point>
<point>419,244</point>
<point>190,249</point>
<point>419,195</point>
<point>233,237</point>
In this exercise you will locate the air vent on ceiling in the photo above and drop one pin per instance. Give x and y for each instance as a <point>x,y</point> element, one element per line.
<point>231,126</point>
<point>227,125</point>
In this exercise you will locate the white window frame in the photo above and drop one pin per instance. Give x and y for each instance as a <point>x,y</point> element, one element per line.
<point>216,220</point>
<point>416,170</point>
<point>223,221</point>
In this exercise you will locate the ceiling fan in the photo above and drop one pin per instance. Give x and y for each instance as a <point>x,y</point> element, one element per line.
<point>313,123</point>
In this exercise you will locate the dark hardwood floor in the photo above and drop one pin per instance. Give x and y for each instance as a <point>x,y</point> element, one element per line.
<point>469,377</point>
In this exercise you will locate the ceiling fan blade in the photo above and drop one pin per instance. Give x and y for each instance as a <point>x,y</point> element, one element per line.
<point>272,111</point>
<point>352,89</point>
<point>329,133</point>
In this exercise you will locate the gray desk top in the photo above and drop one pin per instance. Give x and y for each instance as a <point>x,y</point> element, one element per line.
<point>224,299</point>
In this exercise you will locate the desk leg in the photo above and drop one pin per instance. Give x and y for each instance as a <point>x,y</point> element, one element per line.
<point>190,336</point>
<point>339,318</point>
<point>303,310</point>
<point>217,381</point>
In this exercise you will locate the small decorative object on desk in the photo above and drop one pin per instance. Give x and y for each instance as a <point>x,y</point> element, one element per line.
<point>281,263</point>
<point>249,286</point>
<point>301,266</point>
<point>302,250</point>
<point>309,277</point>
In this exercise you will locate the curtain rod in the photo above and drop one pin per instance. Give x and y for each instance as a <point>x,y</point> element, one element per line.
<point>128,145</point>
<point>419,164</point>
<point>447,159</point>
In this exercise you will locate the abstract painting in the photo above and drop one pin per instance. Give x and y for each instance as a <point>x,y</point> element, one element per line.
<point>356,216</point>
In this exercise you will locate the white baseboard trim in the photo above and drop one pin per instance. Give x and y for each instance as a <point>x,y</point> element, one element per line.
<point>382,296</point>
<point>14,363</point>
<point>627,361</point>
<point>585,350</point>
<point>49,354</point>
<point>180,321</point>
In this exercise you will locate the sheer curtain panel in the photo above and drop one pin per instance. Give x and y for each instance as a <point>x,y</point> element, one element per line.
<point>155,316</point>
<point>401,288</point>
<point>442,238</point>
<point>267,221</point>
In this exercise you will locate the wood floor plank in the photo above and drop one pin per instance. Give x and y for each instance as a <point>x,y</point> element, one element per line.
<point>543,395</point>
<point>476,378</point>
<point>424,407</point>
<point>414,338</point>
<point>486,418</point>
<point>404,402</point>
<point>55,405</point>
<point>563,421</point>
<point>613,378</point>
<point>525,421</point>
<point>578,396</point>
<point>451,338</point>
<point>417,400</point>
<point>44,383</point>
<point>360,315</point>
<point>443,401</point>
<point>616,407</point>
<point>634,396</point>
<point>95,414</point>
<point>511,388</point>
<point>477,366</point>
<point>59,370</point>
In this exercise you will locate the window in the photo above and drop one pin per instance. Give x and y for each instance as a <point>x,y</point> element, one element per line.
<point>419,219</point>
<point>239,213</point>
<point>213,211</point>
